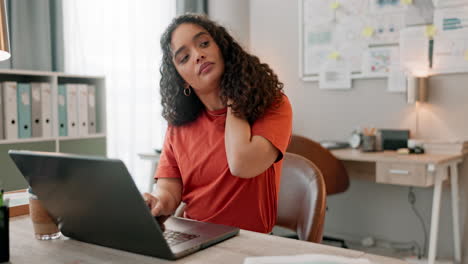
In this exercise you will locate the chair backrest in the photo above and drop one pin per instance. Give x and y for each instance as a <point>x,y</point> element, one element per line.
<point>334,173</point>
<point>302,198</point>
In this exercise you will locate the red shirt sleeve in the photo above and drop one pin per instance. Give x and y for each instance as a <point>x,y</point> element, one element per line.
<point>167,165</point>
<point>276,126</point>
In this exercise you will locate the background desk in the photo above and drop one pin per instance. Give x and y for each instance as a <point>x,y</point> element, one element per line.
<point>421,170</point>
<point>26,249</point>
<point>154,158</point>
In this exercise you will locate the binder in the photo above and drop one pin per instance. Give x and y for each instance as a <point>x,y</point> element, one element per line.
<point>72,109</point>
<point>1,114</point>
<point>46,110</point>
<point>24,110</point>
<point>62,110</point>
<point>83,109</point>
<point>10,107</point>
<point>92,109</point>
<point>36,110</point>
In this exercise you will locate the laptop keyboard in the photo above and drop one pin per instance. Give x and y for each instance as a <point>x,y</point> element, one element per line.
<point>173,237</point>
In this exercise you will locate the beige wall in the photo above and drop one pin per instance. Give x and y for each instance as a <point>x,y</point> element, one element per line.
<point>366,208</point>
<point>234,15</point>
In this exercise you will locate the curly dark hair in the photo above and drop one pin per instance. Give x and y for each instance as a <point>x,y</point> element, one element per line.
<point>252,85</point>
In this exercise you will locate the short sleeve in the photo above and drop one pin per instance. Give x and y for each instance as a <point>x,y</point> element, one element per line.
<point>167,165</point>
<point>276,126</point>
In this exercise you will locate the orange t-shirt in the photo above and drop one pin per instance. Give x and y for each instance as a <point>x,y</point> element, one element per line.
<point>196,153</point>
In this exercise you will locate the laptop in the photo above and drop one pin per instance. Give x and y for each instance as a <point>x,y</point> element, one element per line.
<point>95,200</point>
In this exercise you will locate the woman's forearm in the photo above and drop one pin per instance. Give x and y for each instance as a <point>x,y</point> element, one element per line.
<point>247,155</point>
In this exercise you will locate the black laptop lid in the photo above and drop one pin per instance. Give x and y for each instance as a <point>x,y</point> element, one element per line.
<point>94,200</point>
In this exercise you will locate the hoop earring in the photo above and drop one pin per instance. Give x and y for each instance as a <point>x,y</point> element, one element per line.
<point>187,91</point>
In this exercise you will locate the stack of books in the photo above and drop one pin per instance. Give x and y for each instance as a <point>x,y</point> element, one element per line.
<point>446,147</point>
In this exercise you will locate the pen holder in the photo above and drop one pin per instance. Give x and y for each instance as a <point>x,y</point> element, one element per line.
<point>45,227</point>
<point>369,143</point>
<point>4,234</point>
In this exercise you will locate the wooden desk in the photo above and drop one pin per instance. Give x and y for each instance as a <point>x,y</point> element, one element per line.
<point>421,170</point>
<point>24,248</point>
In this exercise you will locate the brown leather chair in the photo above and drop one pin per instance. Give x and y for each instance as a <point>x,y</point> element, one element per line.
<point>302,198</point>
<point>334,173</point>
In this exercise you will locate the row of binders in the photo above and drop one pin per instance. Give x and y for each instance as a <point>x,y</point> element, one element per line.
<point>26,110</point>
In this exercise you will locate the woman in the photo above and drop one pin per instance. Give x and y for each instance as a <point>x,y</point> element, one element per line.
<point>229,126</point>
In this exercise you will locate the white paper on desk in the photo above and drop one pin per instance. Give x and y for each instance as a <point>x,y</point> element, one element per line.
<point>305,259</point>
<point>414,50</point>
<point>396,79</point>
<point>335,74</point>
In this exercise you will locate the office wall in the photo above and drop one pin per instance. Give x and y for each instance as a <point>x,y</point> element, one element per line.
<point>234,15</point>
<point>366,208</point>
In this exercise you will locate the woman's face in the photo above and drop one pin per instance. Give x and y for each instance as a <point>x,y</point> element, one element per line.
<point>197,58</point>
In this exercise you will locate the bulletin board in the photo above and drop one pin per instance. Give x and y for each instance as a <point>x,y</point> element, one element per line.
<point>362,38</point>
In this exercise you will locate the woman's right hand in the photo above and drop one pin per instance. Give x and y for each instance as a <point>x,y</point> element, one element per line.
<point>157,206</point>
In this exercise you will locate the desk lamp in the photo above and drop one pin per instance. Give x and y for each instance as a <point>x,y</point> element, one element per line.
<point>416,89</point>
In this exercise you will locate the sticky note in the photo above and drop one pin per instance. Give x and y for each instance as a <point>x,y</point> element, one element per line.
<point>430,31</point>
<point>466,55</point>
<point>368,31</point>
<point>407,2</point>
<point>334,55</point>
<point>335,5</point>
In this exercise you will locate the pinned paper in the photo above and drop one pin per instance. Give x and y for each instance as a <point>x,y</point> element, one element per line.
<point>334,55</point>
<point>407,2</point>
<point>430,31</point>
<point>335,5</point>
<point>368,31</point>
<point>466,55</point>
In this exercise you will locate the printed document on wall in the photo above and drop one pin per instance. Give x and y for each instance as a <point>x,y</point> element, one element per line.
<point>451,20</point>
<point>348,41</point>
<point>414,50</point>
<point>386,28</point>
<point>378,60</point>
<point>318,12</point>
<point>396,79</point>
<point>335,74</point>
<point>451,54</point>
<point>317,45</point>
<point>387,6</point>
<point>451,42</point>
<point>449,3</point>
<point>306,259</point>
<point>420,13</point>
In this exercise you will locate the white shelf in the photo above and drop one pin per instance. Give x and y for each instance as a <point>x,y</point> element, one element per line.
<point>49,74</point>
<point>100,135</point>
<point>40,139</point>
<point>54,79</point>
<point>26,140</point>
